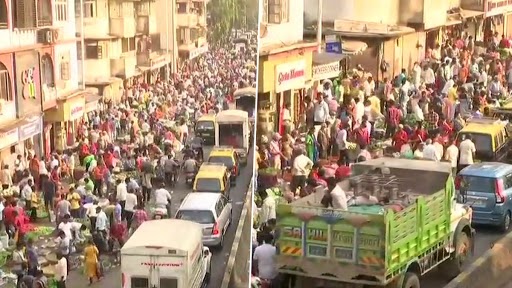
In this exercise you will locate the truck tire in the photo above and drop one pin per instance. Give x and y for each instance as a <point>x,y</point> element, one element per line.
<point>454,266</point>
<point>411,280</point>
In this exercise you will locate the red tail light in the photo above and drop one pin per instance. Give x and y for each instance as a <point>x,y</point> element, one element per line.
<point>235,169</point>
<point>458,180</point>
<point>215,230</point>
<point>500,191</point>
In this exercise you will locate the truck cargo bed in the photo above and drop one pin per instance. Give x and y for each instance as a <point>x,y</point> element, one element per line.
<point>368,244</point>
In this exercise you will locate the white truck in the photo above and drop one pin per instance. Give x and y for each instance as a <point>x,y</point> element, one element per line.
<point>166,253</point>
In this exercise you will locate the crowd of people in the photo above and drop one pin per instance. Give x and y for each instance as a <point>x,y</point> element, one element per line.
<point>415,114</point>
<point>80,189</point>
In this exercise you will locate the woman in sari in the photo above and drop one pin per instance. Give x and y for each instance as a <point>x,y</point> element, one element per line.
<point>91,255</point>
<point>400,138</point>
<point>311,145</point>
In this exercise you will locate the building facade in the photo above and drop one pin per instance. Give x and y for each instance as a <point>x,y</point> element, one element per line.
<point>122,45</point>
<point>26,59</point>
<point>285,63</point>
<point>397,33</point>
<point>191,28</point>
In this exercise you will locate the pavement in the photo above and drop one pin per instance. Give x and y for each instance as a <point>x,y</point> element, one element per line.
<point>220,257</point>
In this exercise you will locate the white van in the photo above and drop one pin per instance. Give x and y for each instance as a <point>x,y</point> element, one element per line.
<point>166,253</point>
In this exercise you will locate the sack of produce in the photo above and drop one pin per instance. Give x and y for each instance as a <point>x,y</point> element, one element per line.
<point>268,177</point>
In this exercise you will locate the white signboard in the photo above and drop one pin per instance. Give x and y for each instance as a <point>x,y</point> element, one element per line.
<point>326,71</point>
<point>198,51</point>
<point>290,76</point>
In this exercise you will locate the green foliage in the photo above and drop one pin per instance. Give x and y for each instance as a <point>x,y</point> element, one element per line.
<point>226,15</point>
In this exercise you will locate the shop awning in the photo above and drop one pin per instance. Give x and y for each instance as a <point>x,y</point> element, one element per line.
<point>353,47</point>
<point>91,102</point>
<point>470,13</point>
<point>326,58</point>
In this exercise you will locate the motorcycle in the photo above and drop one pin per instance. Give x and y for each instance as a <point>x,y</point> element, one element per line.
<point>189,179</point>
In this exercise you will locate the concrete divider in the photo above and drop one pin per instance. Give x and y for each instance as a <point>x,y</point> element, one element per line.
<point>492,269</point>
<point>238,266</point>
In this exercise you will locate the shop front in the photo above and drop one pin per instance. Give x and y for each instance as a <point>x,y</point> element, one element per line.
<point>497,14</point>
<point>30,132</point>
<point>9,137</point>
<point>282,78</point>
<point>64,121</point>
<point>28,84</point>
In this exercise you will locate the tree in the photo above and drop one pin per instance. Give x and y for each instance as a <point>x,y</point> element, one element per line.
<point>224,15</point>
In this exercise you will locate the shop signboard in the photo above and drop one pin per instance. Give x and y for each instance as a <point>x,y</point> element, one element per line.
<point>198,51</point>
<point>290,76</point>
<point>33,127</point>
<point>326,71</point>
<point>76,109</point>
<point>9,138</point>
<point>28,92</point>
<point>497,7</point>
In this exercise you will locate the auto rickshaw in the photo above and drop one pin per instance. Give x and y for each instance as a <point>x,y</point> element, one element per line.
<point>205,128</point>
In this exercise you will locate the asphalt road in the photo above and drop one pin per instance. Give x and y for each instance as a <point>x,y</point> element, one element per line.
<point>484,238</point>
<point>220,257</point>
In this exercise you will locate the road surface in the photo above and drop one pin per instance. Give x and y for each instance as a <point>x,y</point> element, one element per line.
<point>113,278</point>
<point>484,238</point>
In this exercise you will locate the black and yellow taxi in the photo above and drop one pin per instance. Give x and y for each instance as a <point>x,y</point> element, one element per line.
<point>212,177</point>
<point>205,128</point>
<point>229,157</point>
<point>491,137</point>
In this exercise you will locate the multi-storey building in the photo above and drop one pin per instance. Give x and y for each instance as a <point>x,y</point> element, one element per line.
<point>285,60</point>
<point>26,64</point>
<point>191,28</point>
<point>121,43</point>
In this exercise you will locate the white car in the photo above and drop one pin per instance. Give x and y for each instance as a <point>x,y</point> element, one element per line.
<point>212,210</point>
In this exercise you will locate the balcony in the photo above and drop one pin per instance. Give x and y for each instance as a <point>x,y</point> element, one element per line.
<point>124,66</point>
<point>122,27</point>
<point>18,38</point>
<point>153,60</point>
<point>187,20</point>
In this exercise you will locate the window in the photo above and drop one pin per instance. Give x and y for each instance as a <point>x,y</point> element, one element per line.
<point>182,8</point>
<point>93,50</point>
<point>23,14</point>
<point>169,282</point>
<point>142,9</point>
<point>61,10</point>
<point>5,84</point>
<point>194,34</point>
<point>64,67</point>
<point>218,208</point>
<point>44,13</point>
<point>140,282</point>
<point>89,8</point>
<point>3,15</point>
<point>275,11</point>
<point>226,160</point>
<point>198,216</point>
<point>182,38</point>
<point>128,44</point>
<point>199,7</point>
<point>208,185</point>
<point>47,71</point>
<point>478,184</point>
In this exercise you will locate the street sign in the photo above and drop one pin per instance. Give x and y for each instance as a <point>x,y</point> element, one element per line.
<point>333,47</point>
<point>332,44</point>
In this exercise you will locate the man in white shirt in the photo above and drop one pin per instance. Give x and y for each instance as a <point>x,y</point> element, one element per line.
<point>268,208</point>
<point>61,271</point>
<point>264,259</point>
<point>101,221</point>
<point>121,192</point>
<point>341,141</point>
<point>129,208</point>
<point>428,76</point>
<point>430,151</point>
<point>321,112</point>
<point>301,167</point>
<point>163,199</point>
<point>452,156</point>
<point>467,151</point>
